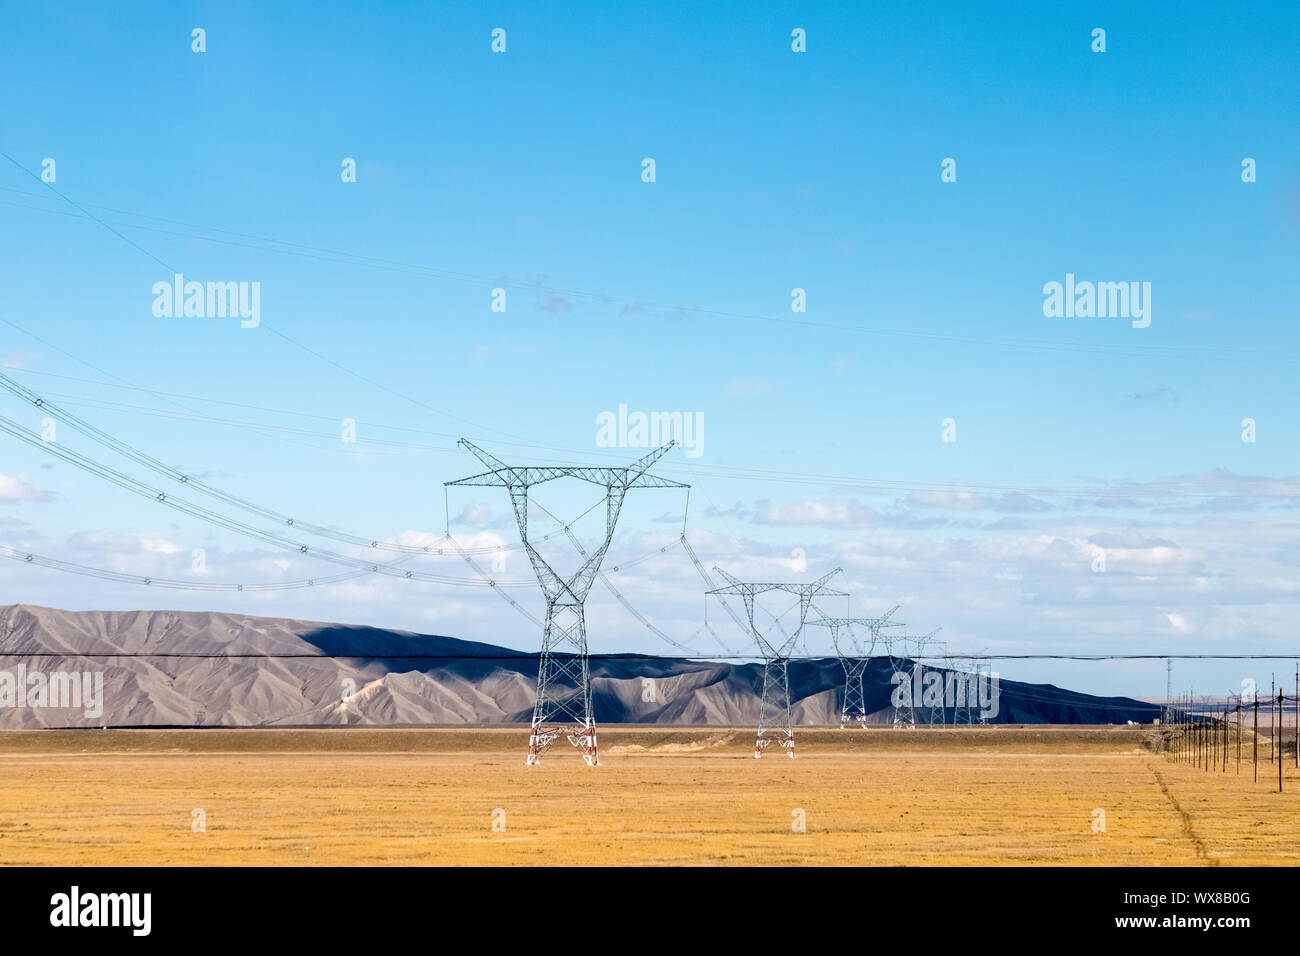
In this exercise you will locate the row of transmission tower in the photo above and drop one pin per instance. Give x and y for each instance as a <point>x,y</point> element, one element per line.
<point>854,657</point>
<point>563,703</point>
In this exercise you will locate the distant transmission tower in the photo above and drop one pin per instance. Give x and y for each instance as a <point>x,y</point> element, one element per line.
<point>774,721</point>
<point>854,659</point>
<point>563,705</point>
<point>966,676</point>
<point>906,672</point>
<point>901,675</point>
<point>938,713</point>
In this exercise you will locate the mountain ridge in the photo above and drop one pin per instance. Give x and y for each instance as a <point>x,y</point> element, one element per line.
<point>203,668</point>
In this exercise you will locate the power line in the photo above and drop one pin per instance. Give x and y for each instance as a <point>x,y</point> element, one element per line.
<point>29,557</point>
<point>153,464</point>
<point>128,483</point>
<point>134,454</point>
<point>140,457</point>
<point>623,656</point>
<point>270,329</point>
<point>729,472</point>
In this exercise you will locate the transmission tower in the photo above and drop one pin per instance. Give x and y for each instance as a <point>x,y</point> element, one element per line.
<point>905,671</point>
<point>938,714</point>
<point>563,705</point>
<point>854,659</point>
<point>966,677</point>
<point>774,721</point>
<point>904,714</point>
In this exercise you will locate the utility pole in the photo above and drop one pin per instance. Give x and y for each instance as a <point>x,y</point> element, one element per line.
<point>774,721</point>
<point>1184,729</point>
<point>1279,740</point>
<point>1224,739</point>
<point>1210,734</point>
<point>1178,737</point>
<point>1169,688</point>
<point>1207,738</point>
<point>563,703</point>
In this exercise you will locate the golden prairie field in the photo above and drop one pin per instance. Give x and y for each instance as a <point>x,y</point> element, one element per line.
<point>980,795</point>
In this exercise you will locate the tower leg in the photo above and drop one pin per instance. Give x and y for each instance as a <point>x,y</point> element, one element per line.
<point>563,704</point>
<point>584,738</point>
<point>855,702</point>
<point>774,722</point>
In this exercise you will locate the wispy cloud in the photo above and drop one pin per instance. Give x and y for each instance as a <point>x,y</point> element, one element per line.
<point>1011,502</point>
<point>1163,393</point>
<point>19,491</point>
<point>556,304</point>
<point>842,514</point>
<point>751,387</point>
<point>20,359</point>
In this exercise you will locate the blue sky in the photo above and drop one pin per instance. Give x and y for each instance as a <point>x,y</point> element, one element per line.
<point>775,170</point>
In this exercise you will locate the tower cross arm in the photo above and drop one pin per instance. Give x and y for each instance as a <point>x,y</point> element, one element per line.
<point>490,479</point>
<point>654,481</point>
<point>844,621</point>
<point>819,586</point>
<point>498,475</point>
<point>493,463</point>
<point>506,476</point>
<point>814,591</point>
<point>635,474</point>
<point>916,637</point>
<point>643,463</point>
<point>733,586</point>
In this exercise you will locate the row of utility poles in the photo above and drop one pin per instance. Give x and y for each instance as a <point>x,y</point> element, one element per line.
<point>1204,736</point>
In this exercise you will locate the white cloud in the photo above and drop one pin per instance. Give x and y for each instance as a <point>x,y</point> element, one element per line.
<point>158,545</point>
<point>20,359</point>
<point>751,387</point>
<point>1012,501</point>
<point>17,490</point>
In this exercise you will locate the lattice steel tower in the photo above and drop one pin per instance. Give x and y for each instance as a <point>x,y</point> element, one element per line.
<point>563,705</point>
<point>968,676</point>
<point>774,722</point>
<point>854,659</point>
<point>937,708</point>
<point>906,671</point>
<point>904,713</point>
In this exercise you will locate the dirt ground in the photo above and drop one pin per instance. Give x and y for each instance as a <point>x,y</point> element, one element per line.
<point>983,795</point>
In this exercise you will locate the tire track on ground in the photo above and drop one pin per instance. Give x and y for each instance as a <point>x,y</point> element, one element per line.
<point>1201,851</point>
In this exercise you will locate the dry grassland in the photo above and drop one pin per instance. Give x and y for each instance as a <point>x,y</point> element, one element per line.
<point>983,796</point>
